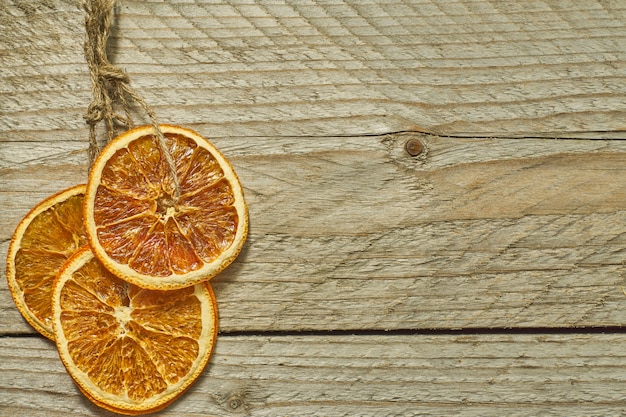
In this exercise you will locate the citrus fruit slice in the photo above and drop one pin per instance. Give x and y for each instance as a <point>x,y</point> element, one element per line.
<point>129,349</point>
<point>148,231</point>
<point>45,238</point>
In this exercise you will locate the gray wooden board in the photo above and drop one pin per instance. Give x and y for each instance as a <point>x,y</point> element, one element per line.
<point>426,375</point>
<point>513,217</point>
<point>353,233</point>
<point>313,68</point>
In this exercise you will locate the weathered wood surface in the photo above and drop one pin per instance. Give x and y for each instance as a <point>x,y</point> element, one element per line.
<point>411,375</point>
<point>311,68</point>
<point>352,233</point>
<point>514,216</point>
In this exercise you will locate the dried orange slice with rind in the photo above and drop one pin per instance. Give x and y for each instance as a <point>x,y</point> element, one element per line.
<point>145,232</point>
<point>124,411</point>
<point>129,349</point>
<point>45,238</point>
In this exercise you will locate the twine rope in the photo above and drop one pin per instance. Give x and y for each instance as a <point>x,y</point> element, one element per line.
<point>111,86</point>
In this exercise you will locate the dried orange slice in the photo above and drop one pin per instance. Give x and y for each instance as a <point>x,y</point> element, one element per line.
<point>45,238</point>
<point>145,232</point>
<point>129,349</point>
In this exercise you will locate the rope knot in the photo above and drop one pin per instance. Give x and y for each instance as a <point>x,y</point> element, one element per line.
<point>111,85</point>
<point>108,72</point>
<point>95,113</point>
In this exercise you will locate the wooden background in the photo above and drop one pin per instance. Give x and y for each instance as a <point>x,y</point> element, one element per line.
<point>484,276</point>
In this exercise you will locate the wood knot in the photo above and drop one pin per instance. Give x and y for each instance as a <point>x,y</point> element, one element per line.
<point>414,147</point>
<point>234,403</point>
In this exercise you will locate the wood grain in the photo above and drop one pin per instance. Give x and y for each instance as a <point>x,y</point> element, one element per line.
<point>328,68</point>
<point>426,375</point>
<point>354,233</point>
<point>512,218</point>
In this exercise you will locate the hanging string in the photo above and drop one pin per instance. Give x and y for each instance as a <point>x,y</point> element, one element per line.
<point>111,86</point>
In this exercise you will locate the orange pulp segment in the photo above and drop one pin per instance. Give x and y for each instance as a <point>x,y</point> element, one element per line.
<point>45,238</point>
<point>130,349</point>
<point>148,232</point>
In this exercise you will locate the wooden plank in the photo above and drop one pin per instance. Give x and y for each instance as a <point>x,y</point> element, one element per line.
<point>328,68</point>
<point>354,233</point>
<point>494,225</point>
<point>469,375</point>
